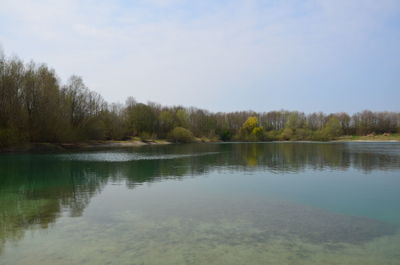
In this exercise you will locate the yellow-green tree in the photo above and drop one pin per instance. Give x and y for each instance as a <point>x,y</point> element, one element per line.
<point>250,130</point>
<point>249,125</point>
<point>332,128</point>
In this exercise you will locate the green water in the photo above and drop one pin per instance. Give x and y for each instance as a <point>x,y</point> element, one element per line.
<point>263,203</point>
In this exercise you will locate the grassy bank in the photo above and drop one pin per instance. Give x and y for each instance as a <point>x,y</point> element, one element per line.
<point>372,137</point>
<point>136,141</point>
<point>54,147</point>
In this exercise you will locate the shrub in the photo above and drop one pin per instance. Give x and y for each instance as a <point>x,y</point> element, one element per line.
<point>287,134</point>
<point>302,134</point>
<point>257,134</point>
<point>11,136</point>
<point>94,130</point>
<point>319,136</point>
<point>225,135</point>
<point>181,135</point>
<point>332,128</point>
<point>272,135</point>
<point>147,137</point>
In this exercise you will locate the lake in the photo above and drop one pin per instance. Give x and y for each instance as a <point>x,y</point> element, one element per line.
<point>233,203</point>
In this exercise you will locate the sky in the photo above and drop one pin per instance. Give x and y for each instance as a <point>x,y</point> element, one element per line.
<point>225,55</point>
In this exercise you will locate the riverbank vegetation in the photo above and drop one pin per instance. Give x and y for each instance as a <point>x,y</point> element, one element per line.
<point>36,107</point>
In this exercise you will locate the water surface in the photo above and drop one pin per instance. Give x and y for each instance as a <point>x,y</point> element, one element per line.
<point>254,203</point>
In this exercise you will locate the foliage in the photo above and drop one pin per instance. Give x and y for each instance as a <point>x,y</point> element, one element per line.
<point>249,125</point>
<point>257,134</point>
<point>250,131</point>
<point>166,122</point>
<point>225,135</point>
<point>181,135</point>
<point>287,134</point>
<point>332,128</point>
<point>271,135</point>
<point>141,118</point>
<point>36,107</point>
<point>11,136</point>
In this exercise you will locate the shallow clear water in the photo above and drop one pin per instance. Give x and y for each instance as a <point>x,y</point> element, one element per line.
<point>261,203</point>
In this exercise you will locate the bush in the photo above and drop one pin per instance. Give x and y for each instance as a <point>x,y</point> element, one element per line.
<point>11,137</point>
<point>181,135</point>
<point>332,129</point>
<point>287,134</point>
<point>319,136</point>
<point>147,137</point>
<point>302,134</point>
<point>257,134</point>
<point>225,135</point>
<point>94,130</point>
<point>272,135</point>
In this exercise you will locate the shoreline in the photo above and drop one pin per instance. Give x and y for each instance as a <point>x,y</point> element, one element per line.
<point>366,141</point>
<point>92,145</point>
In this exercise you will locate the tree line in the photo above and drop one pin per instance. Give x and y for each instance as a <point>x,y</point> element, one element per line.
<point>36,107</point>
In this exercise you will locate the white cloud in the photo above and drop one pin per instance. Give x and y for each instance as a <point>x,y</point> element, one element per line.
<point>156,52</point>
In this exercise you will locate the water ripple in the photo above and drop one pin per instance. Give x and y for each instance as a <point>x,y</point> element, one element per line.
<point>125,157</point>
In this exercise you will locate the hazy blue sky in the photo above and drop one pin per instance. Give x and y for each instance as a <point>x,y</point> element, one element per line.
<point>327,55</point>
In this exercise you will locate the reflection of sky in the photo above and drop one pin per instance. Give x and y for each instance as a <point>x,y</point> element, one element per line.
<point>305,55</point>
<point>374,195</point>
<point>350,192</point>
